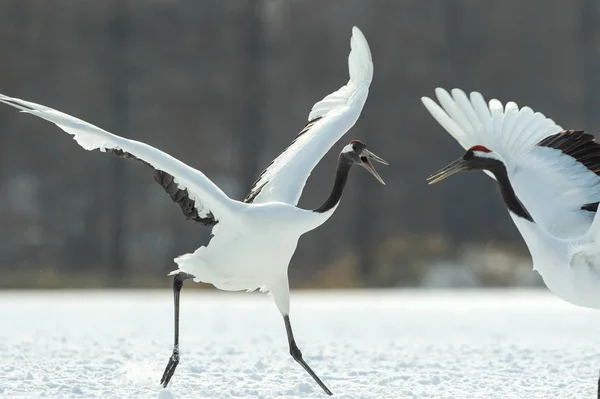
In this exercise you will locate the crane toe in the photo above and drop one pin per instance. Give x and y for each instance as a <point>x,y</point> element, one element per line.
<point>170,369</point>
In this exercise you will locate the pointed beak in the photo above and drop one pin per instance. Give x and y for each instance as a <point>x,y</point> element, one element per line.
<point>460,165</point>
<point>366,157</point>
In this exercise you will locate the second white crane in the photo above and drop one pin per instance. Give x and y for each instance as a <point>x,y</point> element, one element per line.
<point>549,179</point>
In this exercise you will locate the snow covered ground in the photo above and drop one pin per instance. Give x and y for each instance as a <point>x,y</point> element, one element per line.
<point>386,344</point>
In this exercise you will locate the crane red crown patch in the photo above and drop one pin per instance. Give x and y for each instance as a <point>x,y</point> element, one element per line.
<point>480,148</point>
<point>355,141</point>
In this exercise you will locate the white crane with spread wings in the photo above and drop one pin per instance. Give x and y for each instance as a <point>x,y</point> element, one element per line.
<point>253,240</point>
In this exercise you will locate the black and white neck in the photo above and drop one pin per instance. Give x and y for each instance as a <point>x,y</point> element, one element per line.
<point>513,203</point>
<point>341,177</point>
<point>479,160</point>
<point>355,152</point>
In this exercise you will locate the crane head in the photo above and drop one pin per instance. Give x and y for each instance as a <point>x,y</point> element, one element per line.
<point>478,157</point>
<point>356,152</point>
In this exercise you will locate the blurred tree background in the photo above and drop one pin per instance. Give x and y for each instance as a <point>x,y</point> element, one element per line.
<point>225,85</point>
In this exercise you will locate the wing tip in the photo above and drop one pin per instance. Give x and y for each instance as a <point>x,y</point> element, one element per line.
<point>360,62</point>
<point>360,67</point>
<point>15,102</point>
<point>428,102</point>
<point>455,92</point>
<point>440,91</point>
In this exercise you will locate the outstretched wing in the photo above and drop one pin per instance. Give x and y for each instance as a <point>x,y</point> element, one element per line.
<point>553,171</point>
<point>329,120</point>
<point>200,199</point>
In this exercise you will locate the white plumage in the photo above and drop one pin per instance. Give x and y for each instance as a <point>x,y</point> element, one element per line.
<point>555,188</point>
<point>209,197</point>
<point>253,241</point>
<point>509,131</point>
<point>285,178</point>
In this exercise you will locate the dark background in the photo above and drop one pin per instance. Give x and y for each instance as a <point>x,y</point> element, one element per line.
<point>225,85</point>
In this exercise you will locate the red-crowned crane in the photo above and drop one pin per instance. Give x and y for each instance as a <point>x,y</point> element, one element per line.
<point>549,179</point>
<point>253,240</point>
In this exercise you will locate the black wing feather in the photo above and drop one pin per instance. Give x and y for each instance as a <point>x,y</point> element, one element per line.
<point>577,144</point>
<point>181,197</point>
<point>581,146</point>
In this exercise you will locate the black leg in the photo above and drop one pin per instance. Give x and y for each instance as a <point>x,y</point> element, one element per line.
<point>599,388</point>
<point>174,360</point>
<point>297,355</point>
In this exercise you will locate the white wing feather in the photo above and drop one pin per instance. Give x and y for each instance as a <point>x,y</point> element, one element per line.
<point>552,186</point>
<point>208,197</point>
<point>332,117</point>
<point>506,130</point>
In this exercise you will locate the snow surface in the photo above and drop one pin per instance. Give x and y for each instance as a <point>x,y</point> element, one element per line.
<point>384,344</point>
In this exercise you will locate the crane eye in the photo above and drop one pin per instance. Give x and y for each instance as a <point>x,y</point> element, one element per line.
<point>354,147</point>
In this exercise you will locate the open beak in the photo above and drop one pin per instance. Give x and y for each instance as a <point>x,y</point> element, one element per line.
<point>459,165</point>
<point>366,156</point>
